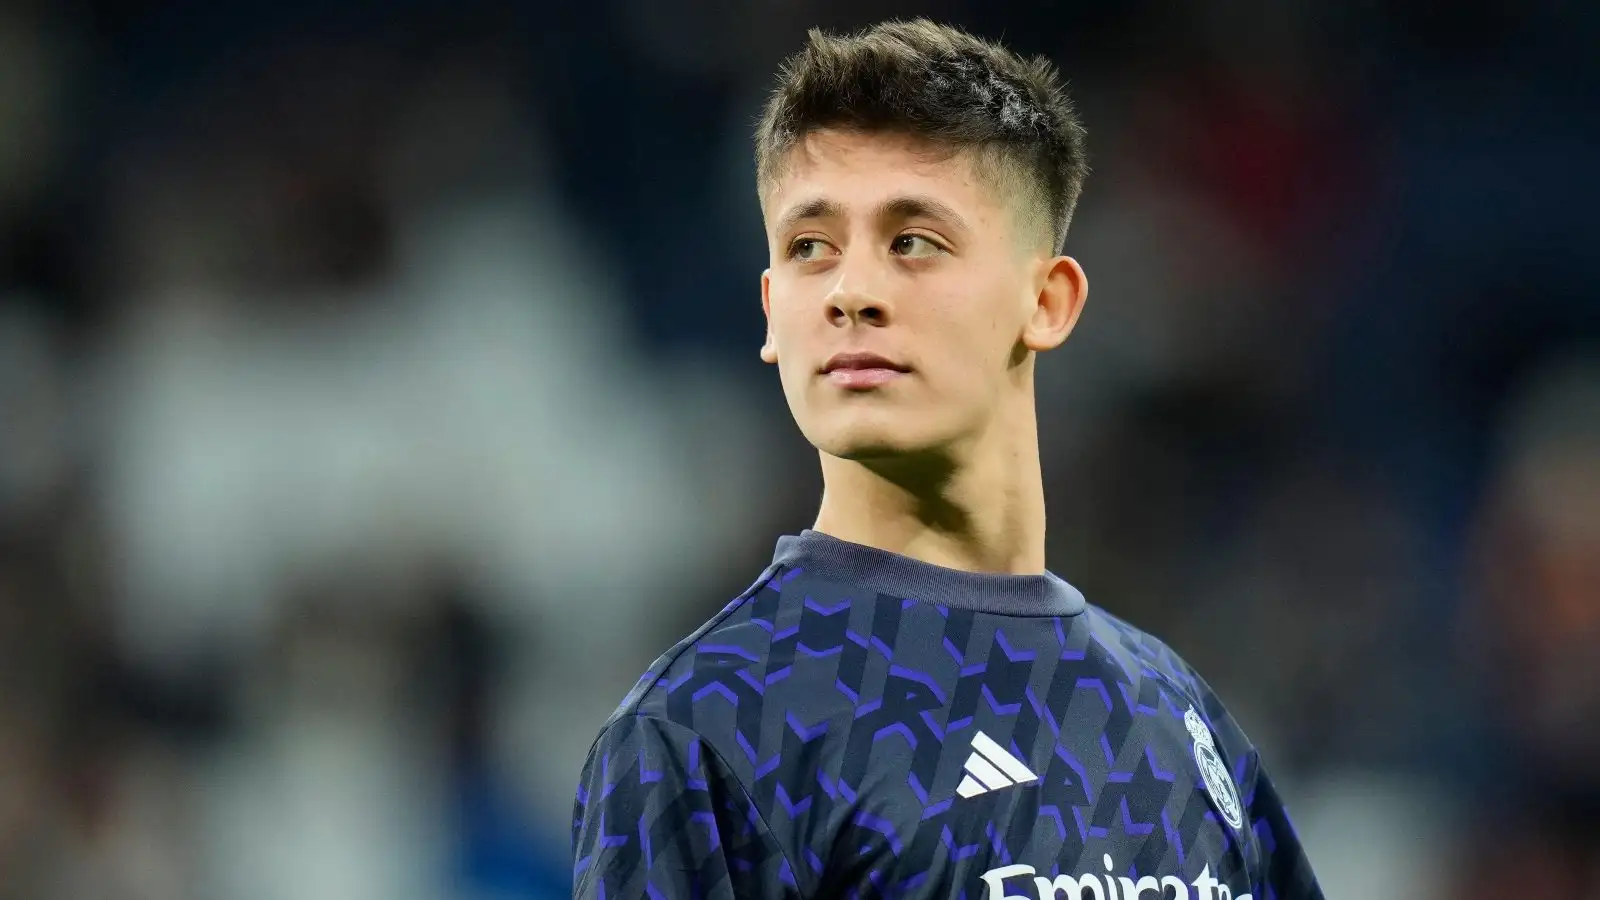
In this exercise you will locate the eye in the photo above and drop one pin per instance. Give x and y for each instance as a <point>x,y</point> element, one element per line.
<point>806,249</point>
<point>915,246</point>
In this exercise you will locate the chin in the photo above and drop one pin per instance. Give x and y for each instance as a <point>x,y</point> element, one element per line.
<point>867,450</point>
<point>876,437</point>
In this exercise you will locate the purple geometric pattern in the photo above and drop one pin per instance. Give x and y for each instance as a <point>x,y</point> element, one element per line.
<point>808,741</point>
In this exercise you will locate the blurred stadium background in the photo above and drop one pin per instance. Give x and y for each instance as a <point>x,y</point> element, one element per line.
<point>379,395</point>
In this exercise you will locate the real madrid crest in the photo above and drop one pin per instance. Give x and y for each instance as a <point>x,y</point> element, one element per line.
<point>1219,784</point>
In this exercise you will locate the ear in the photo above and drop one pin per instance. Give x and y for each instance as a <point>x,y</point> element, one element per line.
<point>1060,290</point>
<point>769,349</point>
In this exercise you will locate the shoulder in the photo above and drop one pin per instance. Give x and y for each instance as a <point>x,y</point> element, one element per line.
<point>1137,653</point>
<point>1145,660</point>
<point>704,663</point>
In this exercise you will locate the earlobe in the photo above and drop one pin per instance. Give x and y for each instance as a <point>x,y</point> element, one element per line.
<point>769,349</point>
<point>1059,302</point>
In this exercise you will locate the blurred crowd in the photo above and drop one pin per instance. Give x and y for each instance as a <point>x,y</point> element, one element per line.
<point>379,395</point>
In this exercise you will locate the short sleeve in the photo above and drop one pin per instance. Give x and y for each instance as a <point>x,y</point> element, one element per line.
<point>659,815</point>
<point>1285,870</point>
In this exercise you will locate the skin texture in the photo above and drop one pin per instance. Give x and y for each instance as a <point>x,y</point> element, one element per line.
<point>882,244</point>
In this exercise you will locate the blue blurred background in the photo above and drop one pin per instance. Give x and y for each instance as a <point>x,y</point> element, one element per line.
<point>379,395</point>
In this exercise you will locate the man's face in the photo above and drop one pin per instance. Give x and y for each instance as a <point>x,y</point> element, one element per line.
<point>897,295</point>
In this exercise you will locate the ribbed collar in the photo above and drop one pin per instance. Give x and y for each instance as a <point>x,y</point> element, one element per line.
<point>828,557</point>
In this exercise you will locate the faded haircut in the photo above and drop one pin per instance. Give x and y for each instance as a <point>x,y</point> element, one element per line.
<point>940,85</point>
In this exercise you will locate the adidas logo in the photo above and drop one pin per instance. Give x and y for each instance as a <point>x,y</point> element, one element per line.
<point>991,768</point>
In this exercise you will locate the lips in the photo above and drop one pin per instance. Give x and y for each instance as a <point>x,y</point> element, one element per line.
<point>862,371</point>
<point>862,362</point>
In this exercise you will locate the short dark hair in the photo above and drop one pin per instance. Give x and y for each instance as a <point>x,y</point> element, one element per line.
<point>944,86</point>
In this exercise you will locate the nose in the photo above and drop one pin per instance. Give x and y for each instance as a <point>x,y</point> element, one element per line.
<point>855,308</point>
<point>854,300</point>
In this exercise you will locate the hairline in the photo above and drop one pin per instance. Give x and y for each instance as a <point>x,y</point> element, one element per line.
<point>1011,180</point>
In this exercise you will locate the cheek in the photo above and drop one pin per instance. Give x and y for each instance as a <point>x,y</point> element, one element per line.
<point>788,334</point>
<point>786,301</point>
<point>976,331</point>
<point>789,338</point>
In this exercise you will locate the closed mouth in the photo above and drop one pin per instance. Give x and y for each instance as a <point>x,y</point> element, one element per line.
<point>847,361</point>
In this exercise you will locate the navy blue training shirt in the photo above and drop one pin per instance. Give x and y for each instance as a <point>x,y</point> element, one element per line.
<point>862,724</point>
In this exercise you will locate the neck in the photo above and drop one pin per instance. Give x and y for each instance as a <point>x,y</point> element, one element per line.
<point>978,507</point>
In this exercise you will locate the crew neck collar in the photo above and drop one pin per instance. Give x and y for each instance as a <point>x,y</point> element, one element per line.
<point>901,576</point>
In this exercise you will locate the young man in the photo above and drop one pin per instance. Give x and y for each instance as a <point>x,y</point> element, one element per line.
<point>906,703</point>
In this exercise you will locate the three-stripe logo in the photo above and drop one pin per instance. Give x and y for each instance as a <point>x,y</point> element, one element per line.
<point>990,768</point>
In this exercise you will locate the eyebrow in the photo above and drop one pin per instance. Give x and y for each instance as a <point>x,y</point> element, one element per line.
<point>815,208</point>
<point>908,206</point>
<point>919,206</point>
